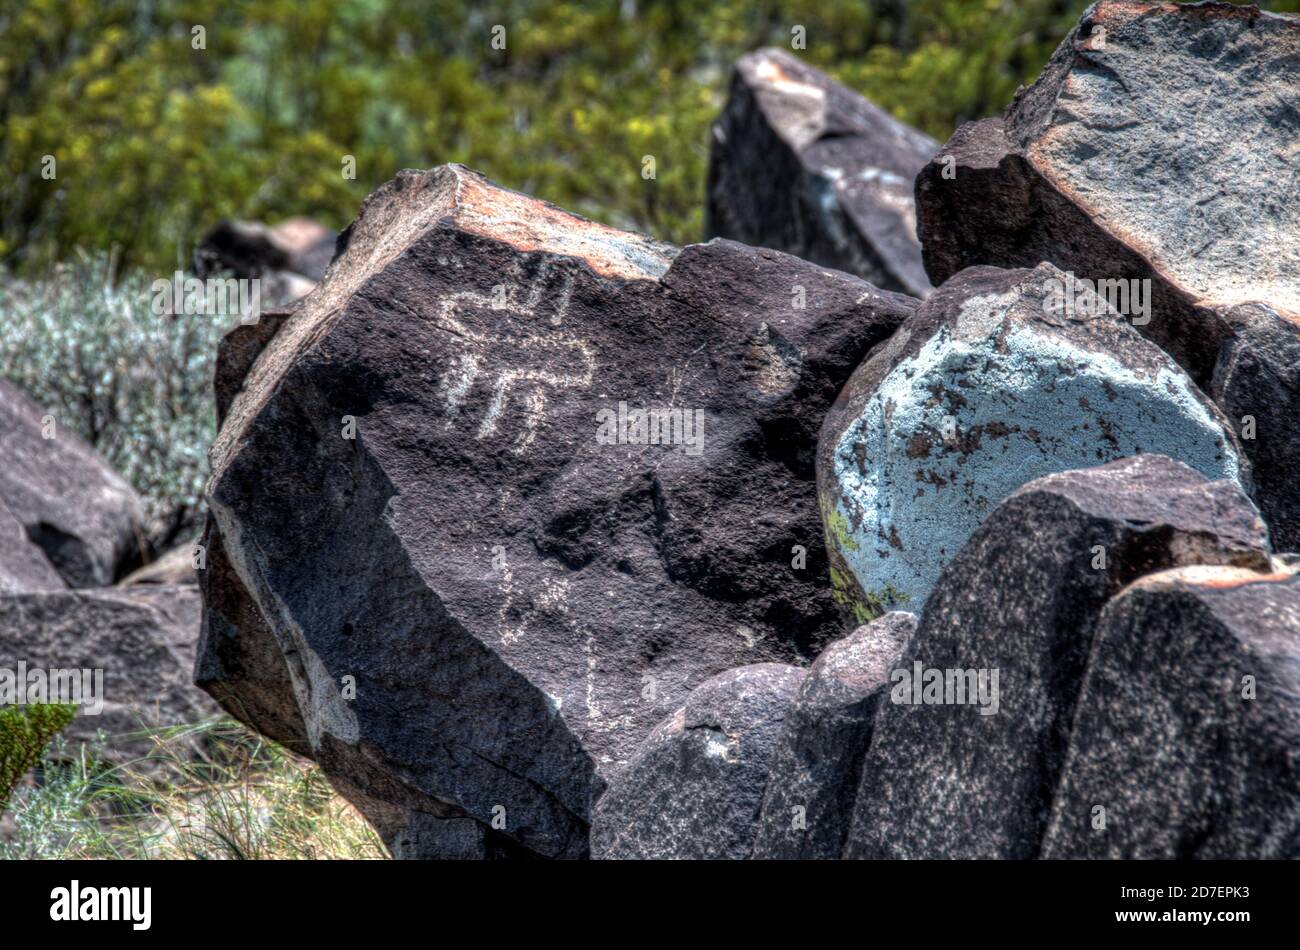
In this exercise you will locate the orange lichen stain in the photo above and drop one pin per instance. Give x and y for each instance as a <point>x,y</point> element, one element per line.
<point>530,225</point>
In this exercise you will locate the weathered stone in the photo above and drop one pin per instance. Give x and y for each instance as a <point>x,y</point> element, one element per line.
<point>23,566</point>
<point>76,509</point>
<point>1157,145</point>
<point>504,586</point>
<point>986,388</point>
<point>1187,735</point>
<point>1257,384</point>
<point>694,788</point>
<point>816,767</point>
<point>802,164</point>
<point>973,776</point>
<point>1123,161</point>
<point>237,352</point>
<point>142,638</point>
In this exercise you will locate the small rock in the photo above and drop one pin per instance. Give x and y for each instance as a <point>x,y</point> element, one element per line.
<point>985,388</point>
<point>695,786</point>
<point>817,765</point>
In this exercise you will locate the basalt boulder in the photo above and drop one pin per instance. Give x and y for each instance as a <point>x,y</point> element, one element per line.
<point>509,484</point>
<point>85,518</point>
<point>23,566</point>
<point>999,378</point>
<point>695,786</point>
<point>967,752</point>
<point>816,767</point>
<point>1186,742</point>
<point>1156,149</point>
<point>803,164</point>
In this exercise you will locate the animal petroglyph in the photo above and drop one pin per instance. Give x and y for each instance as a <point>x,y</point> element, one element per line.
<point>511,341</point>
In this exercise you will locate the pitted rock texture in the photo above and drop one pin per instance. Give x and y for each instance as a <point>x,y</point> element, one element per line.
<point>504,569</point>
<point>141,638</point>
<point>85,518</point>
<point>803,164</point>
<point>1187,735</point>
<point>1157,144</point>
<point>1257,384</point>
<point>986,388</point>
<point>695,786</point>
<point>816,767</point>
<point>970,773</point>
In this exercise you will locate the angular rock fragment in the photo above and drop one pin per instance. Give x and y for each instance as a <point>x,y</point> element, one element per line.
<point>141,639</point>
<point>1155,153</point>
<point>1186,742</point>
<point>695,786</point>
<point>76,509</point>
<point>967,751</point>
<point>816,767</point>
<point>522,481</point>
<point>987,387</point>
<point>23,566</point>
<point>803,164</point>
<point>1257,384</point>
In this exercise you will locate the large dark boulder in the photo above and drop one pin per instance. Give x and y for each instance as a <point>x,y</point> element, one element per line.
<point>968,751</point>
<point>816,767</point>
<point>85,518</point>
<point>489,594</point>
<point>1157,146</point>
<point>1186,739</point>
<point>695,786</point>
<point>803,164</point>
<point>989,386</point>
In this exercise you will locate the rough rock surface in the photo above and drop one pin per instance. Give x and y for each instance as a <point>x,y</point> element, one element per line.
<point>142,638</point>
<point>983,390</point>
<point>23,566</point>
<point>1122,161</point>
<point>816,767</point>
<point>1257,384</point>
<point>975,779</point>
<point>1158,145</point>
<point>803,164</point>
<point>1188,725</point>
<point>504,585</point>
<point>76,509</point>
<point>695,786</point>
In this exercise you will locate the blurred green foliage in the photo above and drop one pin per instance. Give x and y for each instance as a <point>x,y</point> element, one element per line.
<point>155,140</point>
<point>25,731</point>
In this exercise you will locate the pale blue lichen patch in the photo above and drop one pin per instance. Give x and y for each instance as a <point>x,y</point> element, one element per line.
<point>980,410</point>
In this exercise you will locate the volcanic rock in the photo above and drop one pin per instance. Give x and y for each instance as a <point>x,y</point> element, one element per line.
<point>803,164</point>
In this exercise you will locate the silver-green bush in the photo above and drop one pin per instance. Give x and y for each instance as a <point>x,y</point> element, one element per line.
<point>85,343</point>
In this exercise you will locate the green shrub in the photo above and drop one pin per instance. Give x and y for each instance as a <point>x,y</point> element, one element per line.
<point>25,731</point>
<point>85,344</point>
